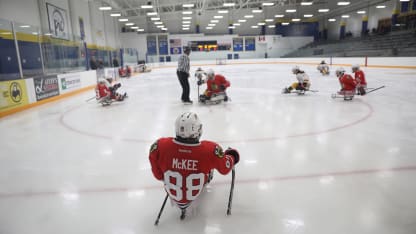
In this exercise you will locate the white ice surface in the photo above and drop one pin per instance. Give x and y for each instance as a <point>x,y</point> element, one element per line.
<point>309,164</point>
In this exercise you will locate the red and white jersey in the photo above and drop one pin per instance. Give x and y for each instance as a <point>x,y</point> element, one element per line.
<point>360,78</point>
<point>184,168</point>
<point>102,90</point>
<point>347,82</point>
<point>213,86</point>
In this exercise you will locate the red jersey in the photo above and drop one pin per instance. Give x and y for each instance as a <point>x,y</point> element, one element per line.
<point>360,78</point>
<point>347,82</point>
<point>102,90</point>
<point>184,168</point>
<point>213,86</point>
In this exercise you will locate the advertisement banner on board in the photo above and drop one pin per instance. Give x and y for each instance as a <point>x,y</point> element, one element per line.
<point>13,94</point>
<point>69,82</point>
<point>46,87</point>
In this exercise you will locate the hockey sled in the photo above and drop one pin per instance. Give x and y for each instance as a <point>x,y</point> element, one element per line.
<point>216,98</point>
<point>346,95</point>
<point>302,92</point>
<point>298,91</point>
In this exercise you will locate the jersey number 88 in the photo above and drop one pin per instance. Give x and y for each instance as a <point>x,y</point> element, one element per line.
<point>189,185</point>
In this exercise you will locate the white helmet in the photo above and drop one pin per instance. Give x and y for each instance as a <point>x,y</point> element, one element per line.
<point>210,72</point>
<point>295,69</point>
<point>340,71</point>
<point>355,66</point>
<point>188,126</point>
<point>104,81</point>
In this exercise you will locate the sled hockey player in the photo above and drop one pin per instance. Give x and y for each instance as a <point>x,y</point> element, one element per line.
<point>185,164</point>
<point>106,93</point>
<point>124,72</point>
<point>216,88</point>
<point>347,83</point>
<point>323,68</point>
<point>142,68</point>
<point>359,79</point>
<point>303,83</point>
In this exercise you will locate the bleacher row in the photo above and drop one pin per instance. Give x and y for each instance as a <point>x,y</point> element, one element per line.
<point>400,43</point>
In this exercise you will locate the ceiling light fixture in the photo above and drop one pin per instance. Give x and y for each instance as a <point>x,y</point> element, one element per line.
<point>343,3</point>
<point>306,3</point>
<point>229,4</point>
<point>223,12</point>
<point>105,8</point>
<point>291,10</point>
<point>115,14</point>
<point>279,16</point>
<point>267,4</point>
<point>323,10</point>
<point>188,5</point>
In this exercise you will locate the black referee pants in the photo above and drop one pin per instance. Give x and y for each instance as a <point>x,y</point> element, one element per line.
<point>183,79</point>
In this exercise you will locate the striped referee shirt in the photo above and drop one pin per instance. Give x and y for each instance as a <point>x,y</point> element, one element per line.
<point>183,63</point>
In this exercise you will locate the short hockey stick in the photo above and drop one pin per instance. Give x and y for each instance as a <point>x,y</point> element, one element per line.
<point>161,210</point>
<point>89,99</point>
<point>376,89</point>
<point>230,199</point>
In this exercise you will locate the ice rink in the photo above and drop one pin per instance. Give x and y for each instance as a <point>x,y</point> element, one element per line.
<point>309,164</point>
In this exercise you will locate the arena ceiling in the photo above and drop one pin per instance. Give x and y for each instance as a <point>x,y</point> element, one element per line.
<point>176,16</point>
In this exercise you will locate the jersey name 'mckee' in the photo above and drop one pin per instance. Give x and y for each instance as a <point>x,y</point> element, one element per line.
<point>185,164</point>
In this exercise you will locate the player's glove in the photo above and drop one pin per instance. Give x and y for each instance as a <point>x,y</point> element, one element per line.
<point>234,153</point>
<point>200,82</point>
<point>222,87</point>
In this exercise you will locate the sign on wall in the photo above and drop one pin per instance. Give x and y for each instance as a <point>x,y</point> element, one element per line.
<point>238,44</point>
<point>151,45</point>
<point>46,87</point>
<point>175,46</point>
<point>12,94</point>
<point>163,44</point>
<point>58,22</point>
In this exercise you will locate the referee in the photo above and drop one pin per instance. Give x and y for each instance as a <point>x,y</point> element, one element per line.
<point>183,74</point>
